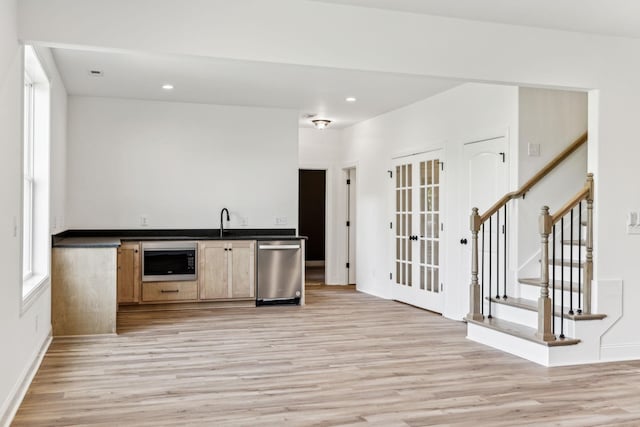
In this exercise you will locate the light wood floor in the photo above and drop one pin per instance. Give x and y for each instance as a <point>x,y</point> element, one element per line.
<point>344,359</point>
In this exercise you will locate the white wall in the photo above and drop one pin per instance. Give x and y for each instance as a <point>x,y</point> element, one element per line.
<point>324,149</point>
<point>553,119</point>
<point>23,330</point>
<point>447,120</point>
<point>179,164</point>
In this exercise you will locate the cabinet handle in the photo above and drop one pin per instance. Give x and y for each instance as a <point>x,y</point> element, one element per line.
<point>170,291</point>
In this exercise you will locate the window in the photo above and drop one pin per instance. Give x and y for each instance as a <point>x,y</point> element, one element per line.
<point>35,170</point>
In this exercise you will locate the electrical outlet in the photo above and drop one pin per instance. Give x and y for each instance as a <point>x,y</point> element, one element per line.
<point>281,220</point>
<point>15,226</point>
<point>144,220</point>
<point>244,221</point>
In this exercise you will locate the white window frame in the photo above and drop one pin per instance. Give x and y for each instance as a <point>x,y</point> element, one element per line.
<point>36,236</point>
<point>29,180</point>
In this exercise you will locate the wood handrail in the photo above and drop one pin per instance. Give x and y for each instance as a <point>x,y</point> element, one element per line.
<point>584,194</point>
<point>535,178</point>
<point>580,196</point>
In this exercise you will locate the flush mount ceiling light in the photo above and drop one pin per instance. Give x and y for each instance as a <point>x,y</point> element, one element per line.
<point>351,99</point>
<point>321,123</point>
<point>167,86</point>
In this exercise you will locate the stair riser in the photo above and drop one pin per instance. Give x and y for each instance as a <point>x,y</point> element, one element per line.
<point>567,251</point>
<point>567,272</point>
<point>533,293</point>
<point>528,318</point>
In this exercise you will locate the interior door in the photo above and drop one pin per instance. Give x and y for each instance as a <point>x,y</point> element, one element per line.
<point>418,231</point>
<point>487,181</point>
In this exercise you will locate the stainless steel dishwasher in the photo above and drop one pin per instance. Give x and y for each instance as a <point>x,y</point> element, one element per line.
<point>279,272</point>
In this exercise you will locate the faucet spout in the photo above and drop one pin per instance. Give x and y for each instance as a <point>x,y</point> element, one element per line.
<point>222,221</point>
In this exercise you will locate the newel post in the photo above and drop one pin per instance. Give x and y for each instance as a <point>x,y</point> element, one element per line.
<point>588,266</point>
<point>475,302</point>
<point>544,302</point>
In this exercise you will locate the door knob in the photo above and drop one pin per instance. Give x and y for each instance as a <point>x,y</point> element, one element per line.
<point>463,241</point>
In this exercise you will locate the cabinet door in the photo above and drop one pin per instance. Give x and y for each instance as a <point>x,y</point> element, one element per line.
<point>213,272</point>
<point>243,275</point>
<point>129,273</point>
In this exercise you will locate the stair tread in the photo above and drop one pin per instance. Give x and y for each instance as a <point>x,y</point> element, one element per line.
<point>521,331</point>
<point>566,263</point>
<point>532,305</point>
<point>574,242</point>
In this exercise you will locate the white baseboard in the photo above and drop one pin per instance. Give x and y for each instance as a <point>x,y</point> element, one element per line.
<point>314,263</point>
<point>19,390</point>
<point>364,291</point>
<point>620,352</point>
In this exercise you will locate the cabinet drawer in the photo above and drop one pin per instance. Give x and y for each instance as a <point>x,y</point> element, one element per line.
<point>169,291</point>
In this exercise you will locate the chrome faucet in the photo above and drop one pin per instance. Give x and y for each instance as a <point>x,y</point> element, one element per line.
<point>221,220</point>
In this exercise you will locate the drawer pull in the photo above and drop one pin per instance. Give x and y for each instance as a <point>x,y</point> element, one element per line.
<point>170,291</point>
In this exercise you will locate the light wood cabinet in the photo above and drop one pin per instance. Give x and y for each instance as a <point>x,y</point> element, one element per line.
<point>227,269</point>
<point>129,273</point>
<point>83,290</point>
<point>169,291</point>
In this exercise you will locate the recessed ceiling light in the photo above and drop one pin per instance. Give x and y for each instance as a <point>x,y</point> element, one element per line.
<point>351,99</point>
<point>167,86</point>
<point>96,73</point>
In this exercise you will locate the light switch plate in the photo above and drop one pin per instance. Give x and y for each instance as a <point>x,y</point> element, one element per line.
<point>533,150</point>
<point>633,222</point>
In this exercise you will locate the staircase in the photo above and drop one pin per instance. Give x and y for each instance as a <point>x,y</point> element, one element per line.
<point>547,319</point>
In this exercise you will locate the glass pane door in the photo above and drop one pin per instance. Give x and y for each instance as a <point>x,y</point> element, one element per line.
<point>418,231</point>
<point>403,224</point>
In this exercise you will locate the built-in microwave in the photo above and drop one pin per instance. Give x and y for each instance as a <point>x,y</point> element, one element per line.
<point>169,261</point>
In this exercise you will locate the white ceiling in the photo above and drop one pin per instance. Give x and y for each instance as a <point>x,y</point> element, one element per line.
<point>322,91</point>
<point>314,90</point>
<point>608,17</point>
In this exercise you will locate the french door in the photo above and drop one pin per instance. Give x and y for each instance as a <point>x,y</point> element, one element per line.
<point>417,278</point>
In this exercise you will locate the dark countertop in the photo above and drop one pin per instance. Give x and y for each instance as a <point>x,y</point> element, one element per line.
<point>87,242</point>
<point>113,238</point>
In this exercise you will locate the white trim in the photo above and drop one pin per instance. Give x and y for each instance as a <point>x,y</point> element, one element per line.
<point>315,263</point>
<point>20,388</point>
<point>373,294</point>
<point>42,283</point>
<point>619,352</point>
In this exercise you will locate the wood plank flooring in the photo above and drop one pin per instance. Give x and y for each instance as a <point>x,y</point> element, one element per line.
<point>344,359</point>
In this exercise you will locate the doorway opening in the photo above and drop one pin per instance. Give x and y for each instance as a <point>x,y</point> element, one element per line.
<point>312,190</point>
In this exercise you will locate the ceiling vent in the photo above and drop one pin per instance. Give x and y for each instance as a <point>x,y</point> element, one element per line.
<point>96,73</point>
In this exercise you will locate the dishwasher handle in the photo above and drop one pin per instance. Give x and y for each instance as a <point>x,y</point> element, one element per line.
<point>278,247</point>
